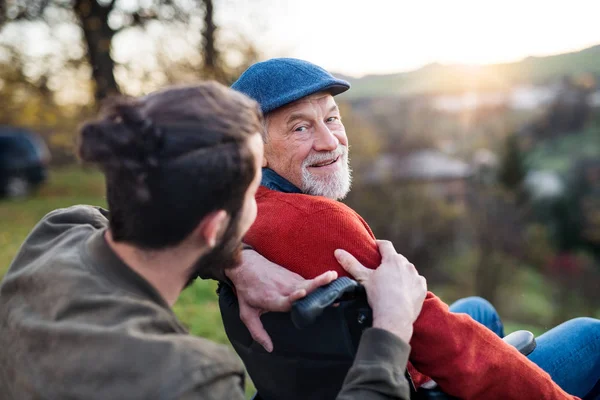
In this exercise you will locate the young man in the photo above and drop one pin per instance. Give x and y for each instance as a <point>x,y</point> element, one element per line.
<point>85,307</point>
<point>300,223</point>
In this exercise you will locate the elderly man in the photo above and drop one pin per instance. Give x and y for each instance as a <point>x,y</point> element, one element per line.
<point>85,307</point>
<point>300,223</point>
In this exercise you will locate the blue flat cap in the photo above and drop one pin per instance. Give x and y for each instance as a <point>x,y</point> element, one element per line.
<point>280,81</point>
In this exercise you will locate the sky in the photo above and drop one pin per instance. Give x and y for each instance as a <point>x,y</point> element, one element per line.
<point>384,36</point>
<point>361,37</point>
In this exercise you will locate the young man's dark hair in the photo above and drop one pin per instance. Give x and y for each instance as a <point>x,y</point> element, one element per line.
<point>171,158</point>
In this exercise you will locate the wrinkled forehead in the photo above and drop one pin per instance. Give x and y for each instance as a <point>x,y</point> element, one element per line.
<point>321,101</point>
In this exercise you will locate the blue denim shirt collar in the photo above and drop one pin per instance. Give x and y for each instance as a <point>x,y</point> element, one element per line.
<point>272,180</point>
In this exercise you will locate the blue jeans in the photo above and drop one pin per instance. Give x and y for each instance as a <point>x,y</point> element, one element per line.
<point>570,352</point>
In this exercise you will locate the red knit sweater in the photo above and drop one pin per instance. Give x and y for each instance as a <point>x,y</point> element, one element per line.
<point>301,232</point>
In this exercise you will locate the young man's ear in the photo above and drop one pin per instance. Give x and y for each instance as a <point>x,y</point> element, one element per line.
<point>212,226</point>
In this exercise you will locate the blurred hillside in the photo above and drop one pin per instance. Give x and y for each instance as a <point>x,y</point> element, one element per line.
<point>437,78</point>
<point>490,188</point>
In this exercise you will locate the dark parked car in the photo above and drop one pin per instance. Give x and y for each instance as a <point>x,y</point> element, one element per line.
<point>24,161</point>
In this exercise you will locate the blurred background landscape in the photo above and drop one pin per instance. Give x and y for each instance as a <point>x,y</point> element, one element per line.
<point>475,131</point>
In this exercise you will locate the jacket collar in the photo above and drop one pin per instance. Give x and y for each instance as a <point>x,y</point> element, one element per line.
<point>272,180</point>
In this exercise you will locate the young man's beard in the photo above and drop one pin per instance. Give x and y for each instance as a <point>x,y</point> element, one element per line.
<point>227,254</point>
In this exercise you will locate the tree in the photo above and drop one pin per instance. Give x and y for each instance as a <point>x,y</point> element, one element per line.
<point>512,167</point>
<point>101,20</point>
<point>28,101</point>
<point>498,231</point>
<point>93,19</point>
<point>568,113</point>
<point>211,55</point>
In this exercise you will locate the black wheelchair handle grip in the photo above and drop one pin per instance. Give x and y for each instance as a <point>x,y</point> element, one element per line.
<point>306,310</point>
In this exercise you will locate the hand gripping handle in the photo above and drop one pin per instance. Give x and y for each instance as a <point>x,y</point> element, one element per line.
<point>306,310</point>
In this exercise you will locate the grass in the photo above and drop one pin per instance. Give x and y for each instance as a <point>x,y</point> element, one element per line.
<point>65,187</point>
<point>197,307</point>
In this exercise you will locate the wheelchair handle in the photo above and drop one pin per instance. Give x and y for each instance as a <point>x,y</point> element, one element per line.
<point>306,310</point>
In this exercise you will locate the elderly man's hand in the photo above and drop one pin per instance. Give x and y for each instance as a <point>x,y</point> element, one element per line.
<point>263,286</point>
<point>395,289</point>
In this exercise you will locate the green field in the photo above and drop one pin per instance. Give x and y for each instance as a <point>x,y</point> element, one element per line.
<point>197,306</point>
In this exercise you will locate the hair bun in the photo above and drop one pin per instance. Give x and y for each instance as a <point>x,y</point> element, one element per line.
<point>125,135</point>
<point>124,141</point>
<point>94,142</point>
<point>147,137</point>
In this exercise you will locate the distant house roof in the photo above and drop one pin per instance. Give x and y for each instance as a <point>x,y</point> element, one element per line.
<point>544,184</point>
<point>423,165</point>
<point>485,158</point>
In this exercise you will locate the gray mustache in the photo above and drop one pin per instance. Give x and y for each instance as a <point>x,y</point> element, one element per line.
<point>320,157</point>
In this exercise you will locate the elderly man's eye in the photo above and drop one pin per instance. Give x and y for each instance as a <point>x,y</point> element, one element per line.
<point>333,119</point>
<point>301,129</point>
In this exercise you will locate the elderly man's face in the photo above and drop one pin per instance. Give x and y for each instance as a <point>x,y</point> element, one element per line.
<point>307,145</point>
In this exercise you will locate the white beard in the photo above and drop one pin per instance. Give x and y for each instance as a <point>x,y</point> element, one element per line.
<point>334,186</point>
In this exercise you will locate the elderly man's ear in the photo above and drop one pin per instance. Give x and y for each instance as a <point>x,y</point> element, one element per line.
<point>265,164</point>
<point>210,230</point>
